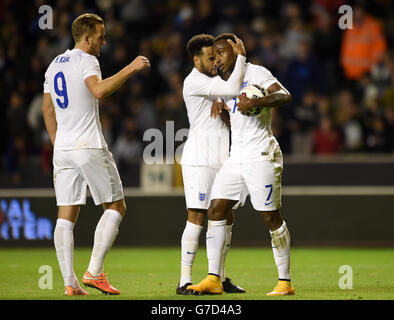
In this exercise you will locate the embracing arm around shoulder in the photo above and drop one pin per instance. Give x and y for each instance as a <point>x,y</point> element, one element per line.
<point>48,112</point>
<point>103,88</point>
<point>232,86</point>
<point>277,96</point>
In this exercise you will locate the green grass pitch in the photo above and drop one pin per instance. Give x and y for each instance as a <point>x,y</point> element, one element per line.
<point>153,273</point>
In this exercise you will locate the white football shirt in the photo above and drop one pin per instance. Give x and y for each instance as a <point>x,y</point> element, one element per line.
<point>208,139</point>
<point>77,111</point>
<point>251,137</point>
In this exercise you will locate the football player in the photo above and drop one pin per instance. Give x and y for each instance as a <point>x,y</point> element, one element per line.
<point>206,148</point>
<point>254,167</point>
<point>72,88</point>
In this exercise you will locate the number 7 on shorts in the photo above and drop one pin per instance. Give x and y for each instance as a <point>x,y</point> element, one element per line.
<point>267,201</point>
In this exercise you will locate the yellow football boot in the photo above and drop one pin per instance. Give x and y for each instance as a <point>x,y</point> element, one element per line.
<point>283,288</point>
<point>210,285</point>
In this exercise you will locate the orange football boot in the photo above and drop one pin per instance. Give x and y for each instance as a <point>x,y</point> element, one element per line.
<point>100,282</point>
<point>70,291</point>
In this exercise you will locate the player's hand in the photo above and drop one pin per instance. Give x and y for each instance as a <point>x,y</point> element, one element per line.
<point>140,63</point>
<point>238,46</point>
<point>244,104</point>
<point>217,108</point>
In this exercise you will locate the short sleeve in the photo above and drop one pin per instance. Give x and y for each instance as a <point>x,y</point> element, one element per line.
<point>90,67</point>
<point>46,86</point>
<point>264,77</point>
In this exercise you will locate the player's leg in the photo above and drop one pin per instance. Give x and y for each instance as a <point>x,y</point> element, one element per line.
<point>216,233</point>
<point>263,180</point>
<point>215,240</point>
<point>64,245</point>
<point>280,241</point>
<point>70,191</point>
<point>227,242</point>
<point>99,170</point>
<point>104,237</point>
<point>227,191</point>
<point>105,234</point>
<point>228,285</point>
<point>197,181</point>
<point>189,246</point>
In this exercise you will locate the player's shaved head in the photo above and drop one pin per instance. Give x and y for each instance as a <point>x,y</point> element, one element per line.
<point>194,45</point>
<point>85,24</point>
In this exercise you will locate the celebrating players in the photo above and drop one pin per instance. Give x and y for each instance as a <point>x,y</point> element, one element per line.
<point>206,148</point>
<point>72,88</point>
<point>254,167</point>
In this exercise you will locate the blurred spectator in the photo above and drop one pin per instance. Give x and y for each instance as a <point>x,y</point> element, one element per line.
<point>16,117</point>
<point>127,148</point>
<point>35,119</point>
<point>17,152</point>
<point>306,115</point>
<point>363,45</point>
<point>46,153</point>
<point>107,126</point>
<point>293,36</point>
<point>172,58</point>
<point>16,158</point>
<point>377,137</point>
<point>389,119</point>
<point>349,118</point>
<point>268,52</point>
<point>327,139</point>
<point>304,73</point>
<point>325,44</point>
<point>381,73</point>
<point>281,132</point>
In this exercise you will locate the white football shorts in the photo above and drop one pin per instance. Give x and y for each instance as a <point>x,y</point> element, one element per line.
<point>74,170</point>
<point>261,180</point>
<point>197,182</point>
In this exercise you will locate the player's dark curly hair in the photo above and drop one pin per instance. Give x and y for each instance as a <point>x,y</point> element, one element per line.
<point>225,36</point>
<point>195,44</point>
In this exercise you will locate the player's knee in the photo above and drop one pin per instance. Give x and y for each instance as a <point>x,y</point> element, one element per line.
<point>272,219</point>
<point>119,206</point>
<point>196,216</point>
<point>215,211</point>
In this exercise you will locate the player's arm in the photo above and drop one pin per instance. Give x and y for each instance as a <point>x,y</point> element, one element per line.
<point>225,116</point>
<point>219,108</point>
<point>217,86</point>
<point>103,88</point>
<point>277,96</point>
<point>232,86</point>
<point>49,115</point>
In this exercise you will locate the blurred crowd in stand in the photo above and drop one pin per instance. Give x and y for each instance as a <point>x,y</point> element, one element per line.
<point>341,80</point>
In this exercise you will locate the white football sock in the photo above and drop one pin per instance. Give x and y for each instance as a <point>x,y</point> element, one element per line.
<point>280,240</point>
<point>104,236</point>
<point>226,247</point>
<point>189,246</point>
<point>64,245</point>
<point>216,237</point>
